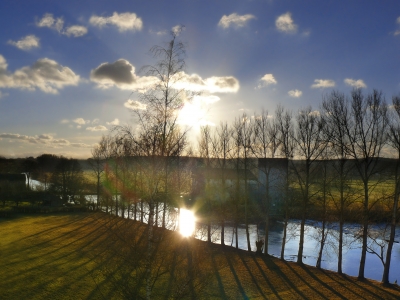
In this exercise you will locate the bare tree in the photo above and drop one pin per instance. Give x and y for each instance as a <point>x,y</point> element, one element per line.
<point>265,145</point>
<point>324,190</point>
<point>394,142</point>
<point>205,152</point>
<point>67,181</point>
<point>242,136</point>
<point>157,135</point>
<point>221,147</point>
<point>310,144</point>
<point>29,166</point>
<point>336,115</point>
<point>97,162</point>
<point>286,148</point>
<point>367,136</point>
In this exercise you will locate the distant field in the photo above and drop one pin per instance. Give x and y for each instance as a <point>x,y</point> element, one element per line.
<point>94,256</point>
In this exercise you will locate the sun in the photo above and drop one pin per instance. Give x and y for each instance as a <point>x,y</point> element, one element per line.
<point>195,113</point>
<point>192,114</point>
<point>187,222</point>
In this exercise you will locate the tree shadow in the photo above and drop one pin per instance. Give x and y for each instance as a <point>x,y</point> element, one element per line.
<point>269,263</point>
<point>265,277</point>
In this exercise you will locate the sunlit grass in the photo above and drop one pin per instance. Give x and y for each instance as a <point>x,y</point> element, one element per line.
<point>71,256</point>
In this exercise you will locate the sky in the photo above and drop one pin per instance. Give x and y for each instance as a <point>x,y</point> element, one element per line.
<point>71,70</point>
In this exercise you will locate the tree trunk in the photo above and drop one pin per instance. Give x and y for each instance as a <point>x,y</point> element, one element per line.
<point>340,254</point>
<point>365,233</point>
<point>222,232</point>
<point>284,237</point>
<point>149,250</point>
<point>267,212</point>
<point>386,267</point>
<point>322,244</point>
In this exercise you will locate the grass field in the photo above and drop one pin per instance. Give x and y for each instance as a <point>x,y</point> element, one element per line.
<point>96,256</point>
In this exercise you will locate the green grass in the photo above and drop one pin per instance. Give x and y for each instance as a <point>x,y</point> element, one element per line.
<point>92,256</point>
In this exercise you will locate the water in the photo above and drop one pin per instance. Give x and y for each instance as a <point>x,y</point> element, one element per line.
<point>351,249</point>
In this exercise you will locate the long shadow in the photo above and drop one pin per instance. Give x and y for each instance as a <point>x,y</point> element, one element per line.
<point>239,284</point>
<point>322,282</point>
<point>270,264</point>
<point>344,277</point>
<point>366,282</point>
<point>94,231</point>
<point>255,281</point>
<point>76,218</point>
<point>94,234</point>
<point>221,288</point>
<point>271,287</point>
<point>321,295</point>
<point>59,236</point>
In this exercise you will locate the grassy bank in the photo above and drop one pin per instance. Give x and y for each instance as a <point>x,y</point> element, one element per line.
<point>95,256</point>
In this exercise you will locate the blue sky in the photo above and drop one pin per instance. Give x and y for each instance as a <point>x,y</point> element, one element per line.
<point>60,86</point>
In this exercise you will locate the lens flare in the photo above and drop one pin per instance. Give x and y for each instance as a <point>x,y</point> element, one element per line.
<point>187,222</point>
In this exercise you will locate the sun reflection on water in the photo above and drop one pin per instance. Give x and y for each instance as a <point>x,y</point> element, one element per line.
<point>187,222</point>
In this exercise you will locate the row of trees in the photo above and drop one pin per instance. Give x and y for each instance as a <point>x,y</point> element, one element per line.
<point>325,148</point>
<point>353,132</point>
<point>329,152</point>
<point>61,180</point>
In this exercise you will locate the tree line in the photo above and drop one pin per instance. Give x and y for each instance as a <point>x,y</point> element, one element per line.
<point>334,157</point>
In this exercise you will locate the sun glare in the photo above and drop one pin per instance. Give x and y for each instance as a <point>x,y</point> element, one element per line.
<point>192,114</point>
<point>187,222</point>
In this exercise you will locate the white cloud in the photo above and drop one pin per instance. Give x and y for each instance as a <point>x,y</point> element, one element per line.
<point>177,29</point>
<point>76,31</point>
<point>46,139</point>
<point>26,43</point>
<point>160,32</point>
<point>45,136</point>
<point>285,23</point>
<point>80,145</point>
<point>122,75</point>
<point>214,84</point>
<point>79,121</point>
<point>16,136</point>
<point>134,105</point>
<point>323,83</point>
<point>115,122</point>
<point>50,22</point>
<point>95,121</point>
<point>97,128</point>
<point>225,84</point>
<point>397,32</point>
<point>314,113</point>
<point>234,20</point>
<point>64,121</point>
<point>355,83</point>
<point>266,80</point>
<point>124,21</point>
<point>118,72</point>
<point>57,24</point>
<point>45,74</point>
<point>295,93</point>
